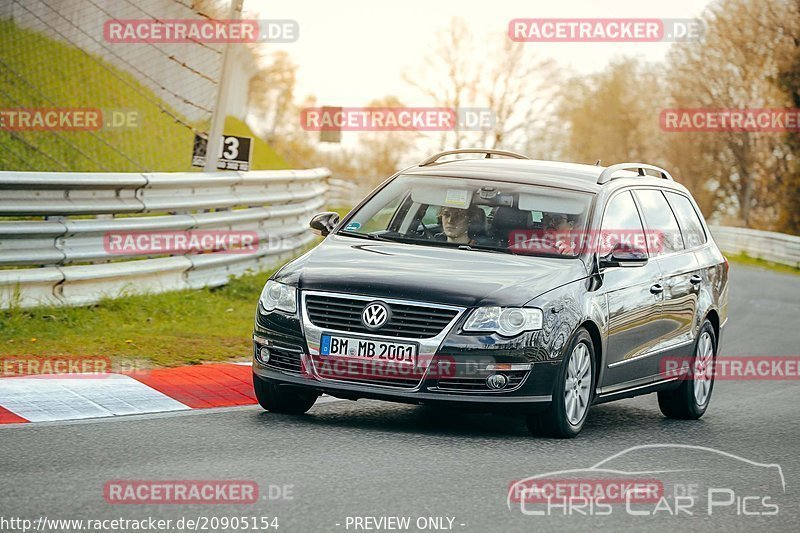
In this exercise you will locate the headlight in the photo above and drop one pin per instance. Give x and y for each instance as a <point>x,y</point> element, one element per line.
<point>279,296</point>
<point>507,321</point>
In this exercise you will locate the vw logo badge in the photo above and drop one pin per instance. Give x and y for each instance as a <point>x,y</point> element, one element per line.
<point>375,315</point>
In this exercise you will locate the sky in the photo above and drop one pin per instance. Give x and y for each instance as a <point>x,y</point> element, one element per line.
<point>352,51</point>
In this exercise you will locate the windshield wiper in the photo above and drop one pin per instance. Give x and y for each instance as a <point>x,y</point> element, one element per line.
<point>480,248</point>
<point>359,235</point>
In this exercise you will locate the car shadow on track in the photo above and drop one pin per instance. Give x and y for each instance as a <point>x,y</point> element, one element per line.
<point>623,420</point>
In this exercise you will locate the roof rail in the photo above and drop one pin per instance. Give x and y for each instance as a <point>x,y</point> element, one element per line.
<point>608,174</point>
<point>489,153</point>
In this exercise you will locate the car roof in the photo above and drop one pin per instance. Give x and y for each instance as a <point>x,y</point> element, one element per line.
<point>573,176</point>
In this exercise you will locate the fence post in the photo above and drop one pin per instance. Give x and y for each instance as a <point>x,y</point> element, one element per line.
<point>220,109</point>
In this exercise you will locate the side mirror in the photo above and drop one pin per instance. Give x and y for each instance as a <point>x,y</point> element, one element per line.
<point>323,223</point>
<point>624,255</point>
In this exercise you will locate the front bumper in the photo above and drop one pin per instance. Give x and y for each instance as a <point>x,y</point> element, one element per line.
<point>426,393</point>
<point>290,364</point>
<point>452,367</point>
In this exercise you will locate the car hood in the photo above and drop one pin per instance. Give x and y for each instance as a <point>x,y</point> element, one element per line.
<point>427,273</point>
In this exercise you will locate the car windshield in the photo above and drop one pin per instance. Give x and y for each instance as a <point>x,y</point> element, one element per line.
<point>475,215</point>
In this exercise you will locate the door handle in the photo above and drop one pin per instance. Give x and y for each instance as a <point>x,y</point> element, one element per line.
<point>696,279</point>
<point>657,289</point>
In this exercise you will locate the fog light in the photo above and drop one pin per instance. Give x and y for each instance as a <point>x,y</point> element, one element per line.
<point>263,354</point>
<point>496,381</point>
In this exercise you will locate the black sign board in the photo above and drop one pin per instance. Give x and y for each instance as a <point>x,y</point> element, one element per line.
<point>234,153</point>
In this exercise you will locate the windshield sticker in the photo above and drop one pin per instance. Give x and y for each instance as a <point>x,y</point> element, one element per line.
<point>353,226</point>
<point>456,198</point>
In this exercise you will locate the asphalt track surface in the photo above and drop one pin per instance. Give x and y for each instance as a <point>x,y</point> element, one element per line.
<point>372,459</point>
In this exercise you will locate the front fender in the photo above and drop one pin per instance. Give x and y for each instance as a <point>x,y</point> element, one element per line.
<point>565,310</point>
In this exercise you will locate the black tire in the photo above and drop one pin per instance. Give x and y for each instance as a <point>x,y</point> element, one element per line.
<point>681,403</point>
<point>288,400</point>
<point>553,421</point>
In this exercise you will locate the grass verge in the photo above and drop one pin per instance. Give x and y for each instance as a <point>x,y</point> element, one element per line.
<point>42,72</point>
<point>744,259</point>
<point>342,210</point>
<point>167,329</point>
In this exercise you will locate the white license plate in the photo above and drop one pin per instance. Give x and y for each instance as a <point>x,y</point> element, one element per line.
<point>371,350</point>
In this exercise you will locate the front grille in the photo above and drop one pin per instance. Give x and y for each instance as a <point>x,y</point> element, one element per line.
<point>407,320</point>
<point>401,383</point>
<point>477,382</point>
<point>284,360</point>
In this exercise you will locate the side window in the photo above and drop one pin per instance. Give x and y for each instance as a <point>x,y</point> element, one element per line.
<point>431,217</point>
<point>621,223</point>
<point>688,220</point>
<point>663,230</point>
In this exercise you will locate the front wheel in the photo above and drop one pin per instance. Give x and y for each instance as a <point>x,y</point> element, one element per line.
<point>572,394</point>
<point>690,400</point>
<point>286,400</point>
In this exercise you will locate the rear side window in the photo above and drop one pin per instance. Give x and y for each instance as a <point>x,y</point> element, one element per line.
<point>662,227</point>
<point>621,223</point>
<point>689,221</point>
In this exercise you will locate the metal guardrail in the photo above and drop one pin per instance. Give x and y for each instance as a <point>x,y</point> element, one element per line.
<point>768,245</point>
<point>74,266</point>
<point>344,193</point>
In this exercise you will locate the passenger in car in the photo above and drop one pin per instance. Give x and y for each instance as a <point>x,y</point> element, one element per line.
<point>559,227</point>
